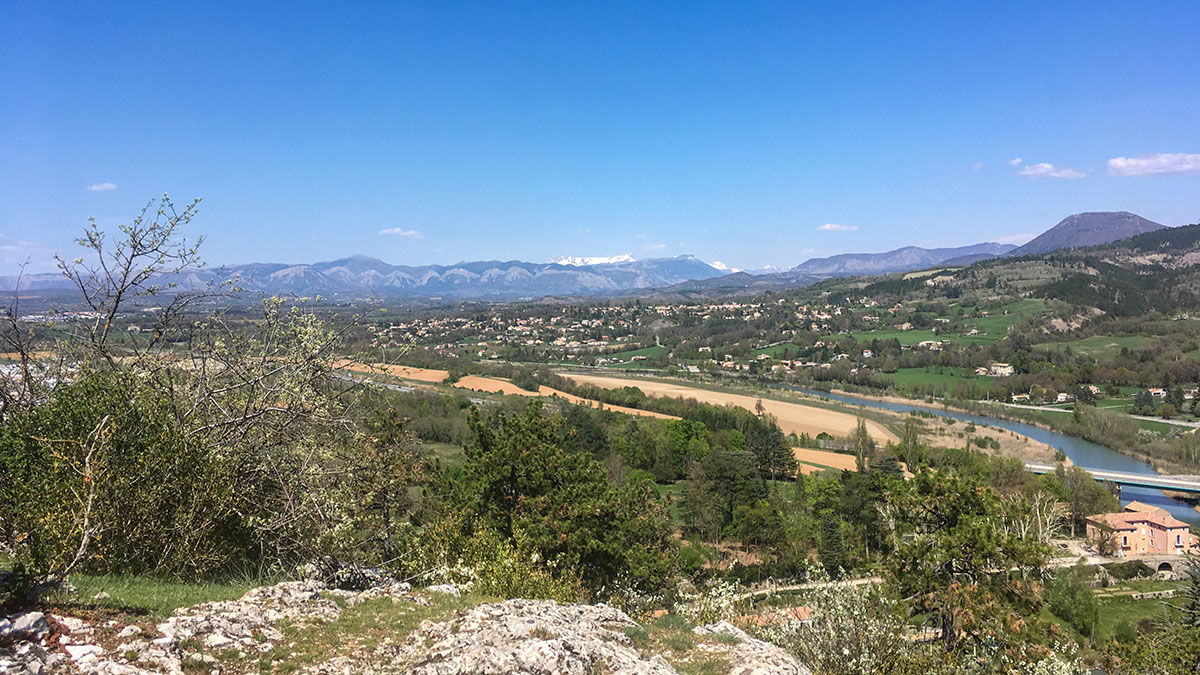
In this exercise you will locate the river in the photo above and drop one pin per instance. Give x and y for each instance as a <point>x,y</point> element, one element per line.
<point>1084,453</point>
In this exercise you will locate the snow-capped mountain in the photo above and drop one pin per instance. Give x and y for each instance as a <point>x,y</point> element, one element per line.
<point>362,275</point>
<point>596,260</point>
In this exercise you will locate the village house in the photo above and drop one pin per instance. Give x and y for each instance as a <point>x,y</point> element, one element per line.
<point>1064,397</point>
<point>1001,370</point>
<point>1158,393</point>
<point>1018,398</point>
<point>1140,530</point>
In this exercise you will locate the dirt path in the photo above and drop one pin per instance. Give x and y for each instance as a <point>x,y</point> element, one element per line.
<point>792,417</point>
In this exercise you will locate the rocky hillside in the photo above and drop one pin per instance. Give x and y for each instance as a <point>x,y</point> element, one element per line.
<point>306,626</point>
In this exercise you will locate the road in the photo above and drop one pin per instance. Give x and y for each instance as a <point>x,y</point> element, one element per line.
<point>1018,406</point>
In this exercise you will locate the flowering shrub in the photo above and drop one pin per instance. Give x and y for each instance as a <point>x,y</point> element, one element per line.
<point>853,629</point>
<point>486,564</point>
<point>716,602</point>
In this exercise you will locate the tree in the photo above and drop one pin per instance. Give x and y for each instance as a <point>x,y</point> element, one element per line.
<point>1070,597</point>
<point>864,445</point>
<point>701,508</point>
<point>380,468</point>
<point>557,504</point>
<point>735,481</point>
<point>952,557</point>
<point>1086,496</point>
<point>832,548</point>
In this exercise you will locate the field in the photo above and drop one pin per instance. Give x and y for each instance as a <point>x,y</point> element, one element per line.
<point>939,377</point>
<point>997,323</point>
<point>821,459</point>
<point>487,385</point>
<point>1099,346</point>
<point>624,357</point>
<point>777,351</point>
<point>792,417</point>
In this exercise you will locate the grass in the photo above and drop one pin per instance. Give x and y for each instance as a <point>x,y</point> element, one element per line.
<point>776,351</point>
<point>447,454</point>
<point>671,635</point>
<point>148,598</point>
<point>905,337</point>
<point>997,323</point>
<point>368,624</point>
<point>1113,612</point>
<point>1099,346</point>
<point>649,352</point>
<point>941,377</point>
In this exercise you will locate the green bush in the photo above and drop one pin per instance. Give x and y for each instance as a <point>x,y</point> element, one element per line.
<point>102,473</point>
<point>1130,569</point>
<point>1071,599</point>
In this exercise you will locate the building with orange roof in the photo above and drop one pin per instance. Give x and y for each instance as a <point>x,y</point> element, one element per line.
<point>1140,532</point>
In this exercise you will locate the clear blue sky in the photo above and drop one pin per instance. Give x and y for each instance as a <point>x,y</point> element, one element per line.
<point>730,130</point>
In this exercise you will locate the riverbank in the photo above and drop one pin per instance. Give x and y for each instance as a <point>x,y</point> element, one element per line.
<point>1162,466</point>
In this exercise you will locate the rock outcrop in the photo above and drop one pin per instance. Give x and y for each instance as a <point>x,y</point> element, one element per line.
<point>537,637</point>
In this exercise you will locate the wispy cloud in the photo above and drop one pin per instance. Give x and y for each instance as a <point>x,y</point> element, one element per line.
<point>834,227</point>
<point>1019,238</point>
<point>977,166</point>
<point>654,247</point>
<point>1047,170</point>
<point>14,253</point>
<point>1146,165</point>
<point>101,187</point>
<point>401,232</point>
<point>1015,161</point>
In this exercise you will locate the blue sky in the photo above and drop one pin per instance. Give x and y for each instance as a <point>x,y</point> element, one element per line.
<point>732,131</point>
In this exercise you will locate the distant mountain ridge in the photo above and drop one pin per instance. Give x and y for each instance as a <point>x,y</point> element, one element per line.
<point>904,259</point>
<point>1088,229</point>
<point>502,280</point>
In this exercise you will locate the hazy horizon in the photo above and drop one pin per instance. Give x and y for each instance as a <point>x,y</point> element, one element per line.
<point>753,135</point>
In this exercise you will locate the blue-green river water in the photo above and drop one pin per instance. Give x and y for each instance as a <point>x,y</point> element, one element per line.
<point>1084,453</point>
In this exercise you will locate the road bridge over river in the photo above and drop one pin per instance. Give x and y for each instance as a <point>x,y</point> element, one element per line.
<point>1177,483</point>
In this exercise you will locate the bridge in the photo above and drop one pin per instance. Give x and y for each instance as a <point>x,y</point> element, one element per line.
<point>1177,483</point>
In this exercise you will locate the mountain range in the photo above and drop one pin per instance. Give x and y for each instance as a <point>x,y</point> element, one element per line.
<point>361,275</point>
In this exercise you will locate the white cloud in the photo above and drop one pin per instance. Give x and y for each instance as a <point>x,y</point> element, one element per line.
<point>834,227</point>
<point>101,187</point>
<point>1015,161</point>
<point>20,252</point>
<point>1047,170</point>
<point>654,247</point>
<point>401,232</point>
<point>977,166</point>
<point>1146,165</point>
<point>1019,238</point>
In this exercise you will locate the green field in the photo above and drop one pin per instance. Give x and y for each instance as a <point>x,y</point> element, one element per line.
<point>912,337</point>
<point>997,323</point>
<point>776,351</point>
<point>625,357</point>
<point>1099,346</point>
<point>939,377</point>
